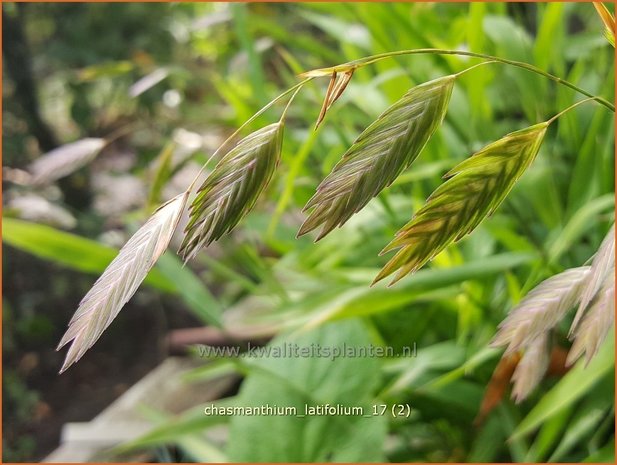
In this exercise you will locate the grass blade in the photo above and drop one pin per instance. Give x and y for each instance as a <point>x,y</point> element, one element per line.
<point>69,250</point>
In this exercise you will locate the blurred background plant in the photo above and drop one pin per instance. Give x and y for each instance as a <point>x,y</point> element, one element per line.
<point>165,84</point>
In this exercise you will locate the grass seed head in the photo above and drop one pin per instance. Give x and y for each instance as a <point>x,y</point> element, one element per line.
<point>541,309</point>
<point>591,332</point>
<point>379,155</point>
<point>531,368</point>
<point>232,188</point>
<point>120,280</point>
<point>602,265</point>
<point>473,190</point>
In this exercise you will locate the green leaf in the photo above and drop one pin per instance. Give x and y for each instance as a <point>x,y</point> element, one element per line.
<point>580,428</point>
<point>584,219</point>
<point>162,174</point>
<point>194,293</point>
<point>549,41</point>
<point>70,250</point>
<point>489,442</point>
<point>549,434</point>
<point>355,33</point>
<point>296,381</point>
<point>429,285</point>
<point>383,150</point>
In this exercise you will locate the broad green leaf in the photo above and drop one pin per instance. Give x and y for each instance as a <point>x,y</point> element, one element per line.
<point>296,381</point>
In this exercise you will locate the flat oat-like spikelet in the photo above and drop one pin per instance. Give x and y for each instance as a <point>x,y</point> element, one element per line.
<point>531,368</point>
<point>597,322</point>
<point>65,160</point>
<point>232,189</point>
<point>475,188</point>
<point>120,280</point>
<point>602,265</point>
<point>377,157</point>
<point>541,309</point>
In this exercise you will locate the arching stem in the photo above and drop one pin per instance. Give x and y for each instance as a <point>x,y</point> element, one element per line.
<point>295,89</point>
<point>574,105</point>
<point>353,65</point>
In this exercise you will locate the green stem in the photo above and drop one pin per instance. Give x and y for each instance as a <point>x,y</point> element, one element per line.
<point>574,105</point>
<point>489,62</point>
<point>294,89</point>
<point>437,51</point>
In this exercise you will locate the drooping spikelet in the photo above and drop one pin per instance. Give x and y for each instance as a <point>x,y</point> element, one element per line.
<point>232,189</point>
<point>475,188</point>
<point>541,309</point>
<point>531,368</point>
<point>387,147</point>
<point>602,265</point>
<point>597,322</point>
<point>120,280</point>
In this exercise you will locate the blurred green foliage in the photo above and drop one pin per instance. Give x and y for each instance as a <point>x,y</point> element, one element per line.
<point>222,63</point>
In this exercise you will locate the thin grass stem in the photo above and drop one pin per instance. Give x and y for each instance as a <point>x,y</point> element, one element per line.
<point>294,89</point>
<point>352,65</point>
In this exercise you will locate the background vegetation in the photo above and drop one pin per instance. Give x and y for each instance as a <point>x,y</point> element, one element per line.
<point>172,80</point>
